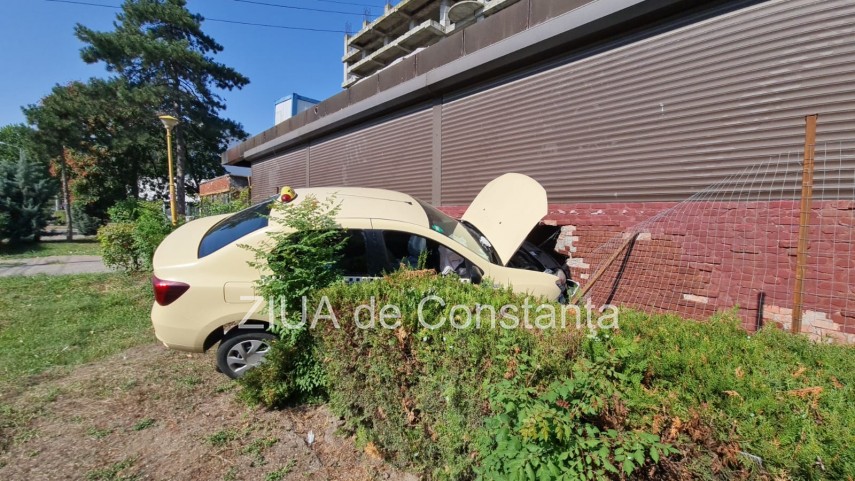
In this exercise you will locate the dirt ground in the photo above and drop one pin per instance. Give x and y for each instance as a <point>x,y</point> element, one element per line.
<point>153,414</point>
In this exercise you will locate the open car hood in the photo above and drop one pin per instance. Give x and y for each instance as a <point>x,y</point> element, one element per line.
<point>506,210</point>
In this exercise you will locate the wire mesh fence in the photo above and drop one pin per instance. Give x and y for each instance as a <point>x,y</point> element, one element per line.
<point>735,245</point>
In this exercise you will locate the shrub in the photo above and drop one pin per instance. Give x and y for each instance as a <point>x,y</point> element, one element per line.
<point>150,228</point>
<point>126,210</point>
<point>728,397</point>
<point>83,218</point>
<point>136,229</point>
<point>659,398</point>
<point>574,428</point>
<point>298,260</point>
<point>117,246</point>
<point>479,401</point>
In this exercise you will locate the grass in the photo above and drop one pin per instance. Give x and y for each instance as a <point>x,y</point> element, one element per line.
<point>280,473</point>
<point>778,397</point>
<point>222,437</point>
<point>48,321</point>
<point>114,472</point>
<point>29,250</point>
<point>143,424</point>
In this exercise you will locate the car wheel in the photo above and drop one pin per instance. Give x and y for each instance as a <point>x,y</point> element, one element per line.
<point>243,351</point>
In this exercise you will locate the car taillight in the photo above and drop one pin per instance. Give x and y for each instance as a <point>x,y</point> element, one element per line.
<point>166,292</point>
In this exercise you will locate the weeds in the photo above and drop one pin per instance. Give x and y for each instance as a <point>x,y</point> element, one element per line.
<point>190,380</point>
<point>143,424</point>
<point>257,447</point>
<point>98,433</point>
<point>114,472</point>
<point>222,437</point>
<point>280,473</point>
<point>231,474</point>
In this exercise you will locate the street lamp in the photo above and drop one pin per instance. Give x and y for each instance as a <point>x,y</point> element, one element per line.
<point>169,122</point>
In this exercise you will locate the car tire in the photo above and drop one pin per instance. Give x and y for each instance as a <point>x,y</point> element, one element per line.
<point>243,351</point>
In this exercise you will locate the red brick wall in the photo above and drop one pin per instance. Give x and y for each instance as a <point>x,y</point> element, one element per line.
<point>215,186</point>
<point>700,258</point>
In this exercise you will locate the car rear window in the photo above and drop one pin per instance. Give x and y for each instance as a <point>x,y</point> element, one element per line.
<point>233,228</point>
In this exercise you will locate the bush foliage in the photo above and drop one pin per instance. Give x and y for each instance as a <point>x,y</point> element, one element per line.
<point>298,260</point>
<point>659,398</point>
<point>237,201</point>
<point>468,398</point>
<point>483,401</point>
<point>135,230</point>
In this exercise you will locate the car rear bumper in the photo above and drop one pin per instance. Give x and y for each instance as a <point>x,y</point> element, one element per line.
<point>175,333</point>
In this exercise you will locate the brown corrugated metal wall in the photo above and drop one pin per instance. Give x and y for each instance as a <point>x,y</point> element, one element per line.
<point>270,175</point>
<point>655,120</point>
<point>394,154</point>
<point>664,117</point>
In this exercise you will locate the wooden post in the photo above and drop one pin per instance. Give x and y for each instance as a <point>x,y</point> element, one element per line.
<point>582,292</point>
<point>804,219</point>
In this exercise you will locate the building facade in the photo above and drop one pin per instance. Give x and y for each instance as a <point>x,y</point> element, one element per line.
<point>623,110</point>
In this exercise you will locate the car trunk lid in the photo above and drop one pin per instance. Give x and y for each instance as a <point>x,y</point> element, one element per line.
<point>182,245</point>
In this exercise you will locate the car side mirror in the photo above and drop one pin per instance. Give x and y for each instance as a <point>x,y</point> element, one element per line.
<point>572,287</point>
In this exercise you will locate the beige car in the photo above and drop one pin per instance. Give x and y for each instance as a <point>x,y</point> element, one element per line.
<point>204,284</point>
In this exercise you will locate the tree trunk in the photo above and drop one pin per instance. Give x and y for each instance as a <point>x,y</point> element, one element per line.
<point>180,150</point>
<point>135,181</point>
<point>66,195</point>
<point>180,162</point>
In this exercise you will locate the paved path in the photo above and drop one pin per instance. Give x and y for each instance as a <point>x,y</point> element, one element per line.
<point>53,265</point>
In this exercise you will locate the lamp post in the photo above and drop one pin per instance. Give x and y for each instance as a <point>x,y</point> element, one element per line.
<point>169,122</point>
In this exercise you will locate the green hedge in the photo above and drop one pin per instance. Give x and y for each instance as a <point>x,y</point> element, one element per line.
<point>135,230</point>
<point>660,398</point>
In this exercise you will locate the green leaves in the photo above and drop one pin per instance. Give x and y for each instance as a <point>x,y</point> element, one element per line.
<point>300,257</point>
<point>563,424</point>
<point>136,229</point>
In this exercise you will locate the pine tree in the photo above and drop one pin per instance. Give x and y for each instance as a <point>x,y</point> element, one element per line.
<point>159,46</point>
<point>26,190</point>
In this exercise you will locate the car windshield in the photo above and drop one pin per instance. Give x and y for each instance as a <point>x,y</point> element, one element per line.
<point>454,230</point>
<point>233,228</point>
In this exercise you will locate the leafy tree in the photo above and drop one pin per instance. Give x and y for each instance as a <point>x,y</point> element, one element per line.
<point>158,48</point>
<point>99,135</point>
<point>14,137</point>
<point>26,190</point>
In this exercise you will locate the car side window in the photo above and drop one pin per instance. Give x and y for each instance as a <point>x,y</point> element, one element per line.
<point>410,250</point>
<point>354,260</point>
<point>360,255</point>
<point>417,252</point>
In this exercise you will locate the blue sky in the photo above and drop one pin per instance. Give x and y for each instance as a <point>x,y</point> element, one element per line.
<point>38,50</point>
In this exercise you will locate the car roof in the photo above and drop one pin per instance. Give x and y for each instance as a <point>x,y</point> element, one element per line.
<point>368,203</point>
